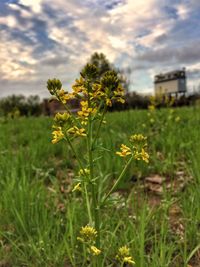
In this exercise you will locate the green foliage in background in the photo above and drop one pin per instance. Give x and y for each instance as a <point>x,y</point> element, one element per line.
<point>19,105</point>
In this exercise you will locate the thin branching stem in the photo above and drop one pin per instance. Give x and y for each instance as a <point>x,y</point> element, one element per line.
<point>118,180</point>
<point>85,174</point>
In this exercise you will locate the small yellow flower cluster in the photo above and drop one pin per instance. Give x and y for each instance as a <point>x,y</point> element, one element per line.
<point>143,155</point>
<point>77,187</point>
<point>111,88</point>
<point>95,251</point>
<point>125,151</point>
<point>86,111</point>
<point>107,89</point>
<point>57,135</point>
<point>88,236</point>
<point>137,149</point>
<point>82,172</point>
<point>88,233</point>
<point>75,131</point>
<point>93,92</point>
<point>64,96</point>
<point>138,138</point>
<point>55,88</point>
<point>124,256</point>
<point>64,125</point>
<point>61,119</point>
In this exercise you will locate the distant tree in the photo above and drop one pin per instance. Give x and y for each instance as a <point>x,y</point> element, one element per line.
<point>103,65</point>
<point>23,106</point>
<point>101,62</point>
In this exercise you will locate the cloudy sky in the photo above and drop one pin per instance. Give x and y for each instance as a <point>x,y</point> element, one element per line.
<point>41,39</point>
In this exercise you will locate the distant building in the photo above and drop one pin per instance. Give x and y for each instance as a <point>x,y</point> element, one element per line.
<point>173,82</point>
<point>50,108</point>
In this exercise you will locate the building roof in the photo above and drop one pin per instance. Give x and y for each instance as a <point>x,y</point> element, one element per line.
<point>170,76</point>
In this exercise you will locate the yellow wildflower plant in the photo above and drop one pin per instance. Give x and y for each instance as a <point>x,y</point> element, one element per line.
<point>138,138</point>
<point>77,187</point>
<point>86,110</point>
<point>143,155</point>
<point>61,119</point>
<point>123,256</point>
<point>128,260</point>
<point>75,131</point>
<point>84,171</point>
<point>111,87</point>
<point>64,96</point>
<point>93,94</point>
<point>54,86</point>
<point>57,135</point>
<point>97,92</point>
<point>88,234</point>
<point>125,151</point>
<point>137,148</point>
<point>78,87</point>
<point>95,251</point>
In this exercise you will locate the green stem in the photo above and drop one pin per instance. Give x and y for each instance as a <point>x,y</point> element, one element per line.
<point>93,185</point>
<point>85,186</point>
<point>118,180</point>
<point>99,126</point>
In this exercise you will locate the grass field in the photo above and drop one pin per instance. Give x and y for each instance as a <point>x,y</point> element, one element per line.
<point>156,208</point>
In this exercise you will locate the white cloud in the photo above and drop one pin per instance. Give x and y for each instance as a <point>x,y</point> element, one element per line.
<point>35,5</point>
<point>16,62</point>
<point>182,11</point>
<point>10,21</point>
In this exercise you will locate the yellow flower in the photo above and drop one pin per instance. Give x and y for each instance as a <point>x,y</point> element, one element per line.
<point>128,260</point>
<point>145,156</point>
<point>57,135</point>
<point>121,100</point>
<point>123,255</point>
<point>83,172</point>
<point>76,131</point>
<point>87,234</point>
<point>61,118</point>
<point>77,187</point>
<point>108,102</point>
<point>85,110</point>
<point>124,251</point>
<point>125,151</point>
<point>64,96</point>
<point>97,92</point>
<point>78,87</point>
<point>138,138</point>
<point>95,251</point>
